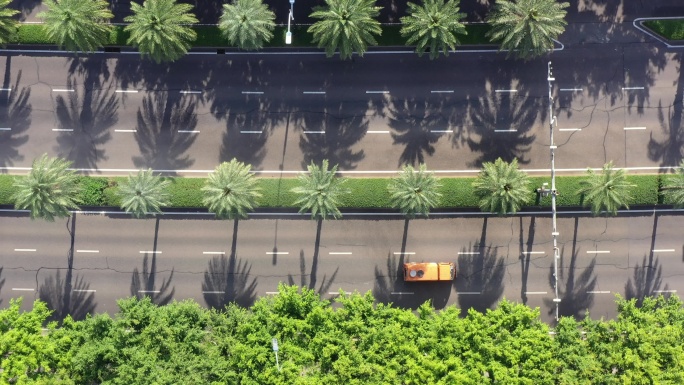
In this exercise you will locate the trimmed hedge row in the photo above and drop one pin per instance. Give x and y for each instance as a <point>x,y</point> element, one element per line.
<point>669,29</point>
<point>211,36</point>
<point>370,193</point>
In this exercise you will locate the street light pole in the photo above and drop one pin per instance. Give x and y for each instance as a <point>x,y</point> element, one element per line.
<point>553,192</point>
<point>290,17</point>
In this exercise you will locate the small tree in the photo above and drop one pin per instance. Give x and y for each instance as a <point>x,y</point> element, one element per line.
<point>143,193</point>
<point>77,24</point>
<point>433,26</point>
<point>320,191</point>
<point>526,28</point>
<point>673,187</point>
<point>231,190</point>
<point>346,24</point>
<point>414,192</point>
<point>607,191</point>
<point>49,190</point>
<point>8,24</point>
<point>161,29</point>
<point>502,187</point>
<point>247,23</point>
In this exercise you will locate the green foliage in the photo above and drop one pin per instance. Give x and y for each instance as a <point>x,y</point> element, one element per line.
<point>346,24</point>
<point>319,191</point>
<point>607,191</point>
<point>502,187</point>
<point>414,192</point>
<point>77,24</point>
<point>669,29</point>
<point>247,24</point>
<point>160,29</point>
<point>7,189</point>
<point>32,34</point>
<point>526,28</point>
<point>231,190</point>
<point>49,191</point>
<point>143,193</point>
<point>673,187</point>
<point>366,193</point>
<point>433,26</point>
<point>8,24</point>
<point>91,190</point>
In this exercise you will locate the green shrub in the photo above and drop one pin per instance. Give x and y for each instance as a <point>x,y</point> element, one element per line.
<point>458,192</point>
<point>669,29</point>
<point>118,36</point>
<point>32,34</point>
<point>276,192</point>
<point>646,190</point>
<point>92,190</point>
<point>185,192</point>
<point>366,193</point>
<point>7,189</point>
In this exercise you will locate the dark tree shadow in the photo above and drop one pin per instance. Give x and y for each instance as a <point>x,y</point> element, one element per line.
<point>247,133</point>
<point>25,7</point>
<point>310,280</point>
<point>144,284</point>
<point>575,297</point>
<point>71,295</point>
<point>647,280</point>
<point>483,273</point>
<point>15,117</point>
<point>162,147</point>
<point>525,249</point>
<point>2,282</point>
<point>227,279</point>
<point>415,126</point>
<point>90,116</point>
<point>670,151</point>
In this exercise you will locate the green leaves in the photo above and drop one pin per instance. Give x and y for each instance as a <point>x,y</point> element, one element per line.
<point>77,24</point>
<point>143,193</point>
<point>8,24</point>
<point>673,187</point>
<point>320,191</point>
<point>160,29</point>
<point>526,28</point>
<point>433,26</point>
<point>247,23</point>
<point>49,191</point>
<point>231,190</point>
<point>607,191</point>
<point>414,192</point>
<point>346,24</point>
<point>502,187</point>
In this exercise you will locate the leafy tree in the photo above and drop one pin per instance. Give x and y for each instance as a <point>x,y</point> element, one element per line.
<point>433,26</point>
<point>161,29</point>
<point>526,28</point>
<point>414,192</point>
<point>49,190</point>
<point>231,190</point>
<point>346,24</point>
<point>77,24</point>
<point>607,191</point>
<point>8,24</point>
<point>320,191</point>
<point>502,187</point>
<point>143,193</point>
<point>673,187</point>
<point>247,23</point>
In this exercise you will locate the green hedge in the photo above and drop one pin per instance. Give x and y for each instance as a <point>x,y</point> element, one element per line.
<point>368,193</point>
<point>669,29</point>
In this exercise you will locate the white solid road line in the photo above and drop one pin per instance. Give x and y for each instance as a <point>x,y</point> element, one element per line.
<point>570,89</point>
<point>214,252</point>
<point>339,253</point>
<point>149,252</point>
<point>598,292</point>
<point>598,251</point>
<point>404,253</point>
<point>125,130</point>
<point>23,289</point>
<point>401,292</point>
<point>313,92</point>
<point>62,90</point>
<point>569,129</point>
<point>87,251</point>
<point>536,292</point>
<point>126,91</point>
<point>663,250</point>
<point>277,252</point>
<point>634,128</point>
<point>24,249</point>
<point>62,129</point>
<point>468,252</point>
<point>189,131</point>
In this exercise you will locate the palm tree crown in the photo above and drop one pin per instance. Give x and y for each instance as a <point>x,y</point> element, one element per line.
<point>231,190</point>
<point>247,23</point>
<point>673,187</point>
<point>8,24</point>
<point>502,187</point>
<point>526,28</point>
<point>49,191</point>
<point>143,193</point>
<point>160,29</point>
<point>433,26</point>
<point>319,191</point>
<point>414,192</point>
<point>77,24</point>
<point>607,191</point>
<point>346,24</point>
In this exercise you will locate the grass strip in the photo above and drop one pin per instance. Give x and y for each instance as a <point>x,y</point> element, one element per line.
<point>669,29</point>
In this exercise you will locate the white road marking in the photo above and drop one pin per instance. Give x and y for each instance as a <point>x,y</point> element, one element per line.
<point>442,92</point>
<point>24,249</point>
<point>340,253</point>
<point>634,128</point>
<point>663,250</point>
<point>87,251</point>
<point>5,129</point>
<point>214,252</point>
<point>377,92</point>
<point>337,292</point>
<point>536,292</point>
<point>570,89</point>
<point>277,252</point>
<point>553,147</point>
<point>511,130</point>
<point>251,132</point>
<point>506,91</point>
<point>442,131</point>
<point>632,88</point>
<point>22,289</point>
<point>6,89</point>
<point>664,291</point>
<point>598,292</point>
<point>569,129</point>
<point>62,129</point>
<point>62,90</point>
<point>401,292</point>
<point>125,130</point>
<point>598,251</point>
<point>314,132</point>
<point>469,292</point>
<point>271,292</point>
<point>190,92</point>
<point>148,291</point>
<point>149,252</point>
<point>252,92</point>
<point>534,252</point>
<point>404,253</point>
<point>213,292</point>
<point>377,132</point>
<point>313,92</point>
<point>189,131</point>
<point>84,290</point>
<point>126,91</point>
<point>468,252</point>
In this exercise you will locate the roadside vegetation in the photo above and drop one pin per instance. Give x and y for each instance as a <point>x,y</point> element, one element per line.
<point>349,340</point>
<point>669,29</point>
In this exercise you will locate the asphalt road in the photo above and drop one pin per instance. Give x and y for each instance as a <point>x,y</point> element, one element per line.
<point>214,262</point>
<point>111,114</point>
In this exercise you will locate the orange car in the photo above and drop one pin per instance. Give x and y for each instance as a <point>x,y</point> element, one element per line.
<point>429,271</point>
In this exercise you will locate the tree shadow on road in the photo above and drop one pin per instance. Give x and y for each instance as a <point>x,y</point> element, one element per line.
<point>15,115</point>
<point>310,280</point>
<point>144,284</point>
<point>646,281</point>
<point>575,295</point>
<point>416,126</point>
<point>2,282</point>
<point>670,150</point>
<point>481,273</point>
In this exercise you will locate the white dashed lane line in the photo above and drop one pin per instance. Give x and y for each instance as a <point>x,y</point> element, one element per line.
<point>126,91</point>
<point>22,250</point>
<point>569,129</point>
<point>598,292</point>
<point>252,92</point>
<point>632,88</point>
<point>377,92</point>
<point>62,90</point>
<point>87,251</point>
<point>634,128</point>
<point>5,129</point>
<point>62,129</point>
<point>125,130</point>
<point>663,250</point>
<point>23,289</point>
<point>339,253</point>
<point>190,92</point>
<point>277,252</point>
<point>149,252</point>
<point>570,90</point>
<point>404,253</point>
<point>214,252</point>
<point>189,131</point>
<point>313,92</point>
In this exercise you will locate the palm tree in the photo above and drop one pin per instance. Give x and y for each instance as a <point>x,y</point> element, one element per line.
<point>143,193</point>
<point>502,187</point>
<point>433,26</point>
<point>346,24</point>
<point>247,23</point>
<point>77,24</point>
<point>231,190</point>
<point>319,191</point>
<point>161,29</point>
<point>8,24</point>
<point>607,191</point>
<point>414,192</point>
<point>673,187</point>
<point>49,190</point>
<point>526,28</point>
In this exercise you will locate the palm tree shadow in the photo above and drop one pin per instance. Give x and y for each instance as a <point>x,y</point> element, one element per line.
<point>647,280</point>
<point>15,115</point>
<point>416,126</point>
<point>576,296</point>
<point>479,270</point>
<point>2,282</point>
<point>162,146</point>
<point>144,284</point>
<point>310,280</point>
<point>670,150</point>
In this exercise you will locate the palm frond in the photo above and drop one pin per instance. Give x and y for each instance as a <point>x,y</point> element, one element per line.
<point>143,193</point>
<point>606,191</point>
<point>231,191</point>
<point>247,23</point>
<point>320,191</point>
<point>433,26</point>
<point>414,192</point>
<point>77,24</point>
<point>502,187</point>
